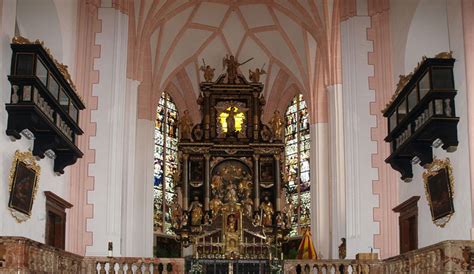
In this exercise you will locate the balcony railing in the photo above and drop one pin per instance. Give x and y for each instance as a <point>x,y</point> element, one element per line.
<point>21,255</point>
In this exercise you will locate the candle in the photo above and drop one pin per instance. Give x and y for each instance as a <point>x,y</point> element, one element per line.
<point>281,256</point>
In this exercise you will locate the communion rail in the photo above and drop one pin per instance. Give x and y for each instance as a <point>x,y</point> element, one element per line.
<point>21,255</point>
<point>330,266</point>
<point>443,257</point>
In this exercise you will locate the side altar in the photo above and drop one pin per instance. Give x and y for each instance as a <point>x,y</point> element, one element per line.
<point>230,177</point>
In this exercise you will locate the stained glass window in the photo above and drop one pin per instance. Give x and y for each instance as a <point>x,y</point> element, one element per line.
<point>166,154</point>
<point>297,141</point>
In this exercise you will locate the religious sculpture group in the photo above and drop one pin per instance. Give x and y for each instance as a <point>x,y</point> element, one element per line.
<point>230,176</point>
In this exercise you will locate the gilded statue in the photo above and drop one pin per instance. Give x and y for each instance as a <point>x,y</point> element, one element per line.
<point>254,76</point>
<point>277,125</point>
<point>248,207</point>
<point>231,194</point>
<point>266,207</point>
<point>185,126</point>
<point>217,181</point>
<point>208,72</point>
<point>196,211</point>
<point>288,210</point>
<point>231,223</point>
<point>230,120</point>
<point>232,66</point>
<point>245,185</point>
<point>176,213</point>
<point>279,221</point>
<point>215,205</point>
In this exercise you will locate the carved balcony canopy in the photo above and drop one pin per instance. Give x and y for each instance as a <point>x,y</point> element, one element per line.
<point>422,114</point>
<point>43,103</point>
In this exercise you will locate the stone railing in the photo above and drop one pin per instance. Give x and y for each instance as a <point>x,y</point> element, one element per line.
<point>443,257</point>
<point>22,255</point>
<point>331,266</point>
<point>121,265</point>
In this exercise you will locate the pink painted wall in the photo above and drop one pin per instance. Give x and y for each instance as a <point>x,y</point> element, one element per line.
<point>386,185</point>
<point>78,237</point>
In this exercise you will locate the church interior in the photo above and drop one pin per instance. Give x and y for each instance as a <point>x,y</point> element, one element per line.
<point>237,136</point>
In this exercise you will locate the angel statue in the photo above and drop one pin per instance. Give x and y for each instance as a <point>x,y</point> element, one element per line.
<point>208,72</point>
<point>185,126</point>
<point>254,76</point>
<point>277,126</point>
<point>232,66</point>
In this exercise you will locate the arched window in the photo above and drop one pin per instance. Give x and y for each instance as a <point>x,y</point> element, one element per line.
<point>297,142</point>
<point>166,155</point>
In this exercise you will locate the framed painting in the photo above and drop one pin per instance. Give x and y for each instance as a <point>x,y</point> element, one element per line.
<point>196,173</point>
<point>267,171</point>
<point>439,189</point>
<point>23,185</point>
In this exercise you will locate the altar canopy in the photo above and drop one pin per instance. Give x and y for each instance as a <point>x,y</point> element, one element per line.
<point>230,176</point>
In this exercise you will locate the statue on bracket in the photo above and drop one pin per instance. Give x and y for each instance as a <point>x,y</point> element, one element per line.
<point>196,211</point>
<point>232,67</point>
<point>254,76</point>
<point>185,126</point>
<point>277,126</point>
<point>266,208</point>
<point>208,72</point>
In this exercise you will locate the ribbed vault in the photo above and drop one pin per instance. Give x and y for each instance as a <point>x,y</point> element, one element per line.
<point>169,39</point>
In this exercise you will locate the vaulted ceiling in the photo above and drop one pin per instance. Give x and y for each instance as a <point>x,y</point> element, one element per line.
<point>170,39</point>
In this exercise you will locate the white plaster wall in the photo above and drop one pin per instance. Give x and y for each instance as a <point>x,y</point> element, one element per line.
<point>142,192</point>
<point>337,180</point>
<point>110,140</point>
<point>33,228</point>
<point>319,175</point>
<point>51,21</point>
<point>360,227</point>
<point>436,27</point>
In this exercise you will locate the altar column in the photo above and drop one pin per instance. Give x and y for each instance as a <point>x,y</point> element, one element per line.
<point>277,183</point>
<point>185,181</point>
<point>256,183</point>
<point>206,182</point>
<point>207,119</point>
<point>255,115</point>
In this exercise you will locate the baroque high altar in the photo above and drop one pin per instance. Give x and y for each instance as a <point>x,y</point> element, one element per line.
<point>231,201</point>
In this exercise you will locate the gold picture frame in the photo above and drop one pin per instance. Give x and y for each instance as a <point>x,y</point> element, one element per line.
<point>439,189</point>
<point>23,185</point>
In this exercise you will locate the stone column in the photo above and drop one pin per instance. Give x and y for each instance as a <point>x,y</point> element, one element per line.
<point>185,181</point>
<point>207,157</point>
<point>277,183</point>
<point>256,183</point>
